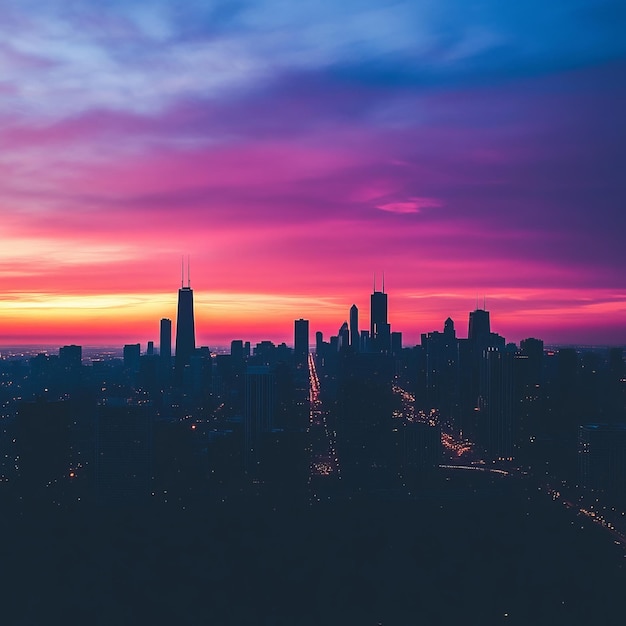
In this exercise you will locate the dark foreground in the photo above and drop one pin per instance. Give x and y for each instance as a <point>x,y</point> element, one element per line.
<point>504,554</point>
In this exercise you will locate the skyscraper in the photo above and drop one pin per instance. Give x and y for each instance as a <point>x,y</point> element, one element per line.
<point>479,326</point>
<point>354,327</point>
<point>185,332</point>
<point>132,352</point>
<point>343,337</point>
<point>380,331</point>
<point>165,342</point>
<point>301,341</point>
<point>319,342</point>
<point>496,402</point>
<point>165,348</point>
<point>71,356</point>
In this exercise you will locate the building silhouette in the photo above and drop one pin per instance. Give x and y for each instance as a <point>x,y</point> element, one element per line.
<point>442,382</point>
<point>165,342</point>
<point>132,353</point>
<point>479,327</point>
<point>496,400</point>
<point>185,330</point>
<point>301,341</point>
<point>70,356</point>
<point>380,331</point>
<point>354,328</point>
<point>343,337</point>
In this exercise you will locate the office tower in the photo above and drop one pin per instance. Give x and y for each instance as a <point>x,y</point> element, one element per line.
<point>319,342</point>
<point>396,343</point>
<point>150,349</point>
<point>479,326</point>
<point>132,352</point>
<point>185,332</point>
<point>70,356</point>
<point>380,331</point>
<point>533,350</point>
<point>529,374</point>
<point>354,327</point>
<point>301,341</point>
<point>236,350</point>
<point>201,368</point>
<point>496,401</point>
<point>442,372</point>
<point>343,337</point>
<point>165,351</point>
<point>165,344</point>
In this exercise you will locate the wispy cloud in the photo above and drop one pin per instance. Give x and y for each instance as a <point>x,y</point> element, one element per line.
<point>411,205</point>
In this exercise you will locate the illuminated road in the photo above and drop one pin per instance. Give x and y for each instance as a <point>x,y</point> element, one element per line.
<point>594,513</point>
<point>453,448</point>
<point>322,440</point>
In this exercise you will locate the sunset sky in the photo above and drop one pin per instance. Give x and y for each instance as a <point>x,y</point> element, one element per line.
<point>292,149</point>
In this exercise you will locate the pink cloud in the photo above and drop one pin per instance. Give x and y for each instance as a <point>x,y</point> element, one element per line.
<point>412,205</point>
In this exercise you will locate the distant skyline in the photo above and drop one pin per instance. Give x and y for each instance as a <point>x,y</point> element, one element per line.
<point>294,149</point>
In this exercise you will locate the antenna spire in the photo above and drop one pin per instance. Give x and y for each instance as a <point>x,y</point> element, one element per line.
<point>188,271</point>
<point>383,282</point>
<point>182,271</point>
<point>374,282</point>
<point>484,302</point>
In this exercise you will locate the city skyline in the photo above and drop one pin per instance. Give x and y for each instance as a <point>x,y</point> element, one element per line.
<point>293,151</point>
<point>373,317</point>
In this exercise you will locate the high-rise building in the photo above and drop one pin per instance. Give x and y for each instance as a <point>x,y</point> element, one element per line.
<point>236,351</point>
<point>396,343</point>
<point>354,327</point>
<point>132,352</point>
<point>319,342</point>
<point>301,341</point>
<point>343,337</point>
<point>496,402</point>
<point>71,356</point>
<point>185,331</point>
<point>165,350</point>
<point>165,342</point>
<point>380,331</point>
<point>479,326</point>
<point>441,371</point>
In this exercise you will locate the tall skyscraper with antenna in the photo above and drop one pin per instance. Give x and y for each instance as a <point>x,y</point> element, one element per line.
<point>185,330</point>
<point>380,331</point>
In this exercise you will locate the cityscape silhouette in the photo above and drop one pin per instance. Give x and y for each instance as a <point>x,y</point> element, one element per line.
<point>394,392</point>
<point>402,470</point>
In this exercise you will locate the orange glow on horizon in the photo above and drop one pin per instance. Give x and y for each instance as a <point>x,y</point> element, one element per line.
<point>108,319</point>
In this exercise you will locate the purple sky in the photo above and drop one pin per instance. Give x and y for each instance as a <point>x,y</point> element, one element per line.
<point>294,149</point>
